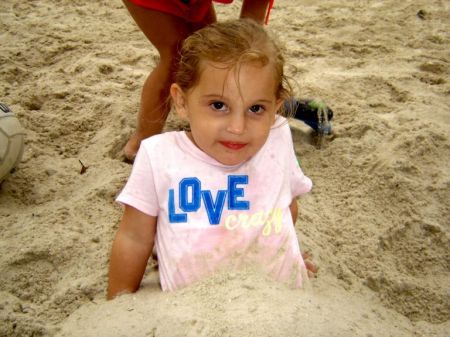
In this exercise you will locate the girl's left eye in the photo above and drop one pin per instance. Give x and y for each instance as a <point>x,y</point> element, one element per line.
<point>257,109</point>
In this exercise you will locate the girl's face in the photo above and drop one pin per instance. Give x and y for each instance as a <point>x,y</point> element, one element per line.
<point>230,113</point>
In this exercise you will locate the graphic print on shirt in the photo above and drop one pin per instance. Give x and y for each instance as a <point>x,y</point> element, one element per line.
<point>191,198</point>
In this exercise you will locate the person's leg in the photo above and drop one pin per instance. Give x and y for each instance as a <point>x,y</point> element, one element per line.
<point>255,9</point>
<point>166,32</point>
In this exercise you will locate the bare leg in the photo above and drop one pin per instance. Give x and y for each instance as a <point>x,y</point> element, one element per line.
<point>255,9</point>
<point>166,32</point>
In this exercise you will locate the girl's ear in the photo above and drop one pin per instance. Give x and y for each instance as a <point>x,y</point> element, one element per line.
<point>278,105</point>
<point>179,100</point>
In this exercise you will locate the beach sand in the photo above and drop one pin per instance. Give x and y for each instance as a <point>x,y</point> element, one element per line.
<point>377,221</point>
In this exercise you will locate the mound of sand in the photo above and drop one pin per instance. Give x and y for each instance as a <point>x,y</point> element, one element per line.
<point>377,221</point>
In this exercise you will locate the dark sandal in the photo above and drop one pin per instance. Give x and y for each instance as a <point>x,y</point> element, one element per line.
<point>313,113</point>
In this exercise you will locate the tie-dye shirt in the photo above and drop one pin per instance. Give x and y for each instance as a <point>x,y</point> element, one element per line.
<point>214,216</point>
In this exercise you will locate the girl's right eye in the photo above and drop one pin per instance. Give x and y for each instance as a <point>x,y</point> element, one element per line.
<point>219,106</point>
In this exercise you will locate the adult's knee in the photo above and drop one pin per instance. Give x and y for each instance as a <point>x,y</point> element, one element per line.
<point>168,64</point>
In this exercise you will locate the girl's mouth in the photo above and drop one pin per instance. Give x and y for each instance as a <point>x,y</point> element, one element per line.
<point>233,146</point>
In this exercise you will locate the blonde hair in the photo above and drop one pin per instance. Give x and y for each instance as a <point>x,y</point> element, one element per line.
<point>231,43</point>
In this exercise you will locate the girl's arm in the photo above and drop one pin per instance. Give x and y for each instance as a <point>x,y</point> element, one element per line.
<point>131,249</point>
<point>310,266</point>
<point>294,210</point>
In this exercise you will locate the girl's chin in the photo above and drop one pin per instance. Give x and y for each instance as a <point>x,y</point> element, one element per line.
<point>232,161</point>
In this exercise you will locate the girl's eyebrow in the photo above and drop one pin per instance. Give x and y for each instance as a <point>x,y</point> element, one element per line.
<point>214,96</point>
<point>263,100</point>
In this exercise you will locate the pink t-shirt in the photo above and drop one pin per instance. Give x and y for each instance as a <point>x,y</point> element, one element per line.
<point>214,216</point>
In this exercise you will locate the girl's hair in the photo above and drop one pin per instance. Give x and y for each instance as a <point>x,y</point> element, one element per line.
<point>231,43</point>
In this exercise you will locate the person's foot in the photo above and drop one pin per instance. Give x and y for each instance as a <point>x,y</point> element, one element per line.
<point>131,148</point>
<point>314,113</point>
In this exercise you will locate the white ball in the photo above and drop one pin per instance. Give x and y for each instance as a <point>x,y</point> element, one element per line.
<point>12,137</point>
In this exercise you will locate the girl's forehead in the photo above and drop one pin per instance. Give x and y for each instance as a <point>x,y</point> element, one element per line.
<point>232,69</point>
<point>205,64</point>
<point>225,79</point>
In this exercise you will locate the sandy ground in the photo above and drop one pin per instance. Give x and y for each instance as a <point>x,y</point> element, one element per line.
<point>377,221</point>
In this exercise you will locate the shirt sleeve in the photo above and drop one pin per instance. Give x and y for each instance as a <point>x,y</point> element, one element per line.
<point>300,184</point>
<point>139,191</point>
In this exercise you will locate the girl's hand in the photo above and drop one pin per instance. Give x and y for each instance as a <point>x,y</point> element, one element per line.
<point>310,266</point>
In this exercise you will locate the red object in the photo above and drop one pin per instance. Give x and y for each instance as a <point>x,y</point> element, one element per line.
<point>190,10</point>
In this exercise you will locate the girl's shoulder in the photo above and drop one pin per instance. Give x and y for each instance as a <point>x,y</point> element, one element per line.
<point>161,141</point>
<point>280,128</point>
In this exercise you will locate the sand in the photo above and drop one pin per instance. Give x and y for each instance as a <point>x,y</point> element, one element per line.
<point>377,221</point>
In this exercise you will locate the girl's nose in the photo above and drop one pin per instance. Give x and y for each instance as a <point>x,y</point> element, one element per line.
<point>236,124</point>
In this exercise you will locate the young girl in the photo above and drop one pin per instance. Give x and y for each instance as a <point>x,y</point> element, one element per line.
<point>223,194</point>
